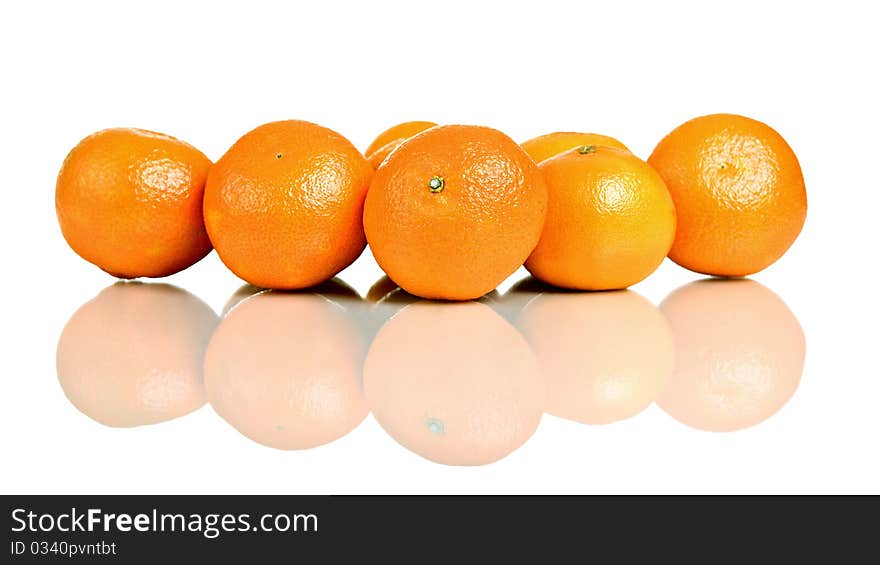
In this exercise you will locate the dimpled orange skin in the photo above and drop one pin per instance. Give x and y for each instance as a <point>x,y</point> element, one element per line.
<point>398,134</point>
<point>283,206</point>
<point>459,242</point>
<point>392,138</point>
<point>552,144</point>
<point>610,222</point>
<point>738,190</point>
<point>130,202</point>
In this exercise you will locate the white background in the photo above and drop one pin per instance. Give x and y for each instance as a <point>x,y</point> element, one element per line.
<point>208,72</point>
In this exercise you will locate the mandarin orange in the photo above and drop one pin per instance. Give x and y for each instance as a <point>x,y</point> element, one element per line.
<point>610,220</point>
<point>391,138</point>
<point>738,190</point>
<point>283,206</point>
<point>552,144</point>
<point>130,201</point>
<point>454,211</point>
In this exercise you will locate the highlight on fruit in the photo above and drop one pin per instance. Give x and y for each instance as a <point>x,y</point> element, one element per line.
<point>291,204</point>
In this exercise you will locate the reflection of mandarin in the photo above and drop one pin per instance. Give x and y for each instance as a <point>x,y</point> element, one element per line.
<point>244,291</point>
<point>518,296</point>
<point>333,288</point>
<point>283,369</point>
<point>133,355</point>
<point>739,354</point>
<point>382,308</point>
<point>605,356</point>
<point>454,383</point>
<point>380,289</point>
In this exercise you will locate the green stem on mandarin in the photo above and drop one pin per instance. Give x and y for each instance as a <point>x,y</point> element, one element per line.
<point>587,149</point>
<point>436,184</point>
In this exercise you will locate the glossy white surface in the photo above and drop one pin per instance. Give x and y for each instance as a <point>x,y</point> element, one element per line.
<point>207,75</point>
